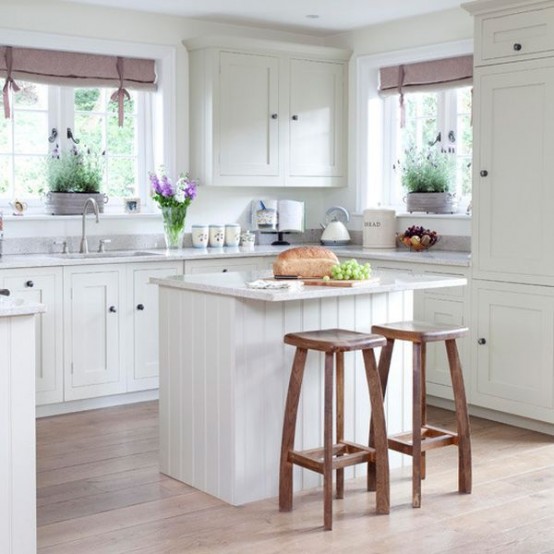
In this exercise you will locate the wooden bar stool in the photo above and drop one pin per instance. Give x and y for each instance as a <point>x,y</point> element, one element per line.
<point>342,453</point>
<point>425,437</point>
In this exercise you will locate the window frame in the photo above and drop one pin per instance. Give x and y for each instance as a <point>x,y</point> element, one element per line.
<point>159,117</point>
<point>447,119</point>
<point>372,173</point>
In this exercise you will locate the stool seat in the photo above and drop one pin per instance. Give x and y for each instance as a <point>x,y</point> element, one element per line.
<point>335,455</point>
<point>334,340</point>
<point>424,437</point>
<point>419,331</point>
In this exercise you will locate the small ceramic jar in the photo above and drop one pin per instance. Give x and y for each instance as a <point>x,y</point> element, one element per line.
<point>247,239</point>
<point>217,236</point>
<point>200,236</point>
<point>232,234</point>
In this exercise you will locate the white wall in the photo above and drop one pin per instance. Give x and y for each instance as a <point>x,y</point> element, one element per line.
<point>216,204</point>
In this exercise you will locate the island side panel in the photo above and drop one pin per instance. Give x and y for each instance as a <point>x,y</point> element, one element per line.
<point>17,435</point>
<point>223,434</point>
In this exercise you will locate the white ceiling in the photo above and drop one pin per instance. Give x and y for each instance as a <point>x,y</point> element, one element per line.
<point>334,15</point>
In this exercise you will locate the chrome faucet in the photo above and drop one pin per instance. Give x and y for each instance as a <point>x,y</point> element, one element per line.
<point>84,243</point>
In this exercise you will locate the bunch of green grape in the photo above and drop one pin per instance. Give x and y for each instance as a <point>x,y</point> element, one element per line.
<point>351,269</point>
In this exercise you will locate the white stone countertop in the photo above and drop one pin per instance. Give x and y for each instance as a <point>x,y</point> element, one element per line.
<point>437,257</point>
<point>10,307</point>
<point>234,284</point>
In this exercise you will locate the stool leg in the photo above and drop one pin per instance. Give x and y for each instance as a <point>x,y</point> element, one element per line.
<point>340,417</point>
<point>384,367</point>
<point>423,468</point>
<point>416,425</point>
<point>462,418</point>
<point>381,464</point>
<point>328,444</point>
<point>289,429</point>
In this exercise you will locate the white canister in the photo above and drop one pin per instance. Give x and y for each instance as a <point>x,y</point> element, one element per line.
<point>200,236</point>
<point>379,228</point>
<point>217,235</point>
<point>232,234</point>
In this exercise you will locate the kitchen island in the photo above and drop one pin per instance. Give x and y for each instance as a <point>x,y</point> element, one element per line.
<point>224,374</point>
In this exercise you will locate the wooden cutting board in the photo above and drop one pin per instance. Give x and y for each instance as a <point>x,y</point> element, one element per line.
<point>342,283</point>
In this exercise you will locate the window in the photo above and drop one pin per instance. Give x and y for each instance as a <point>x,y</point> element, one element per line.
<point>38,109</point>
<point>432,120</point>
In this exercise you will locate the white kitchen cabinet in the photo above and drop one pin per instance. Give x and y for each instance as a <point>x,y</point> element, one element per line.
<point>512,316</point>
<point>450,306</point>
<point>141,322</point>
<point>513,358</point>
<point>43,285</point>
<point>94,354</point>
<point>513,192</point>
<point>264,114</point>
<point>223,265</point>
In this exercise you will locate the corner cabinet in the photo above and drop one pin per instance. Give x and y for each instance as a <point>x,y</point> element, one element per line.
<point>267,114</point>
<point>142,323</point>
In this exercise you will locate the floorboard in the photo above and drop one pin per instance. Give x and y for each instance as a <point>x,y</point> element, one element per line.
<point>100,492</point>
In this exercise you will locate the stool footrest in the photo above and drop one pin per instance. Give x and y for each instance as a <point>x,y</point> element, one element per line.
<point>431,437</point>
<point>344,454</point>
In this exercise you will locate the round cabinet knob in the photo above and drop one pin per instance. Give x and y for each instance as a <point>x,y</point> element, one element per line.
<point>484,173</point>
<point>224,270</point>
<point>517,46</point>
<point>140,307</point>
<point>113,309</point>
<point>481,341</point>
<point>29,284</point>
<point>274,116</point>
<point>295,118</point>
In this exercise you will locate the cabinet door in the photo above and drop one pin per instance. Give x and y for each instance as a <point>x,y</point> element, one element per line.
<point>513,192</point>
<point>43,285</point>
<point>513,349</point>
<point>93,332</point>
<point>247,130</point>
<point>316,119</point>
<point>143,339</point>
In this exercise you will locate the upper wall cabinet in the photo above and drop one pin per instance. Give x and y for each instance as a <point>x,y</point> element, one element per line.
<point>267,114</point>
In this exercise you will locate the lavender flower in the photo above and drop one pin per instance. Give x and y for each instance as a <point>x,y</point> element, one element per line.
<point>166,193</point>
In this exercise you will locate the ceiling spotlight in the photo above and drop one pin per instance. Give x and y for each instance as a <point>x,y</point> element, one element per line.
<point>312,16</point>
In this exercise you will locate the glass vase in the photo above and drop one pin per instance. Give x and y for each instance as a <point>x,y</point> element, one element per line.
<point>174,225</point>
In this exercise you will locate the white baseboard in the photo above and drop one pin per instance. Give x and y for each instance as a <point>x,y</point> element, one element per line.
<point>493,415</point>
<point>95,403</point>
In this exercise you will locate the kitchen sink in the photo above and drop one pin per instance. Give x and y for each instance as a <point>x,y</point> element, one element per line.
<point>110,254</point>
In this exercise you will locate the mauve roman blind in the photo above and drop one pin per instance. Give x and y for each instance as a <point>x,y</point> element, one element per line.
<point>75,69</point>
<point>426,76</point>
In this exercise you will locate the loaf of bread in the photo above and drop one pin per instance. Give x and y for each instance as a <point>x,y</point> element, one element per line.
<point>305,261</point>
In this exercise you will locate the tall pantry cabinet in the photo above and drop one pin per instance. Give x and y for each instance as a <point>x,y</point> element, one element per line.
<point>513,196</point>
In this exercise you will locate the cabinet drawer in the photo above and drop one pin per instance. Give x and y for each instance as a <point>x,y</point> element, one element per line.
<point>517,35</point>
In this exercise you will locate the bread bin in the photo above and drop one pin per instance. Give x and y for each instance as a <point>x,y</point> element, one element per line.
<point>379,228</point>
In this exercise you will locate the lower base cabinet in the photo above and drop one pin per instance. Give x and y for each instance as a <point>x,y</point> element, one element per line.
<point>254,263</point>
<point>93,331</point>
<point>513,354</point>
<point>43,285</point>
<point>141,341</point>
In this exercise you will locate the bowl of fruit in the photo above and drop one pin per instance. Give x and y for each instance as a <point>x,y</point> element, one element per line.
<point>418,238</point>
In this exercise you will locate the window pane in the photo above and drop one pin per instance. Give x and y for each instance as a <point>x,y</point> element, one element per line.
<point>30,132</point>
<point>29,176</point>
<point>121,174</point>
<point>96,126</point>
<point>5,175</point>
<point>31,96</point>
<point>5,132</point>
<point>121,139</point>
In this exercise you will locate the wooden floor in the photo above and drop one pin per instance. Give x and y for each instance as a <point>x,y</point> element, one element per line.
<point>99,492</point>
